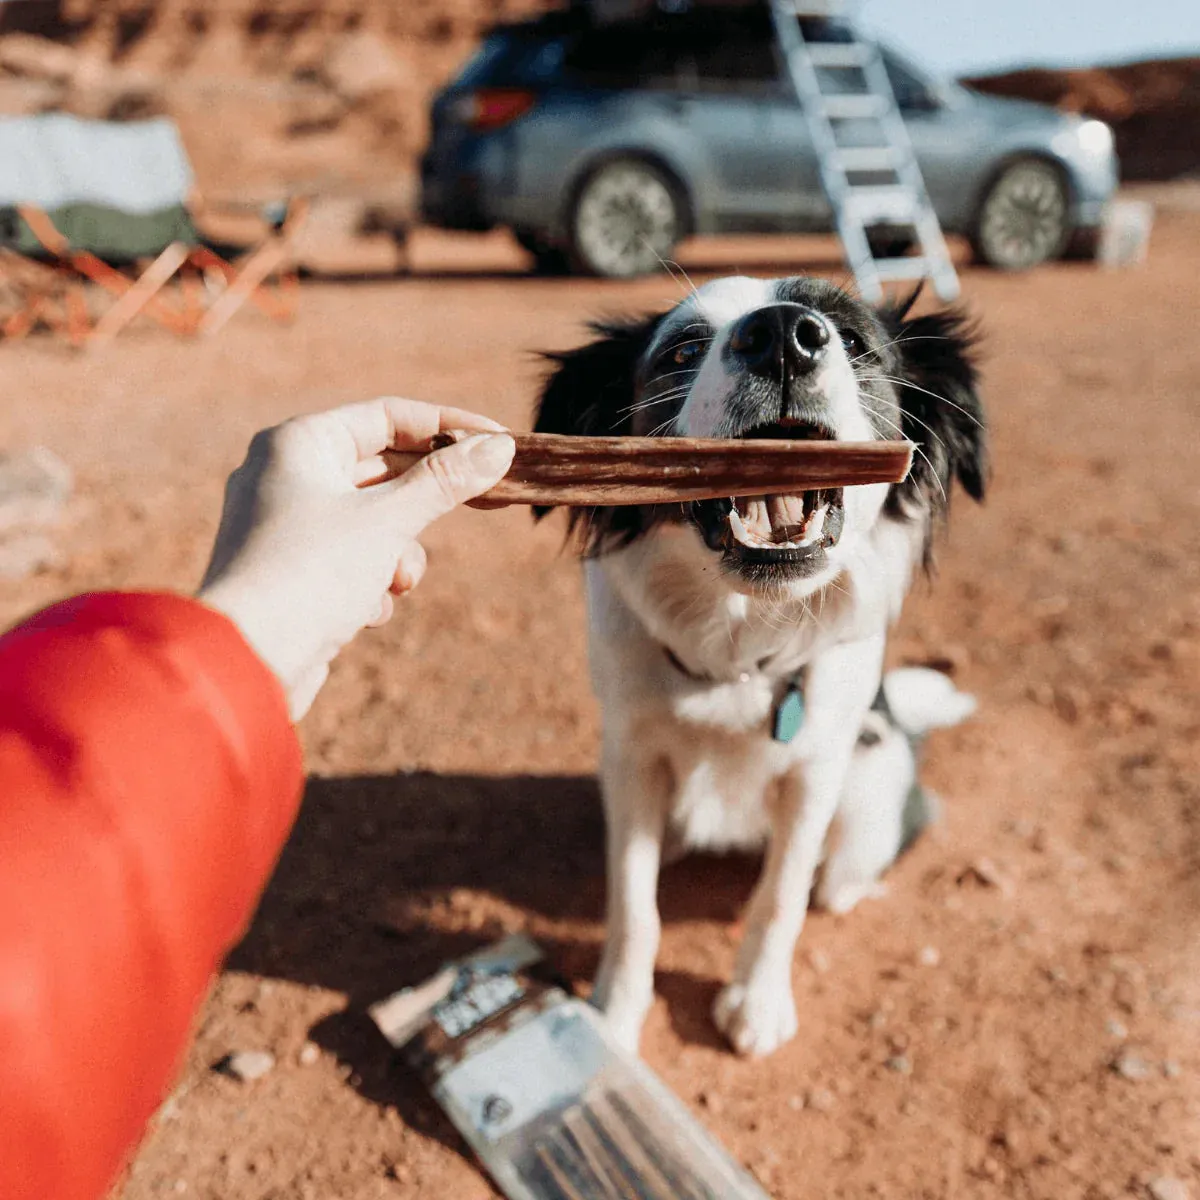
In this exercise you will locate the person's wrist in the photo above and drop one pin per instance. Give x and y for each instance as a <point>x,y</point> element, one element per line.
<point>273,640</point>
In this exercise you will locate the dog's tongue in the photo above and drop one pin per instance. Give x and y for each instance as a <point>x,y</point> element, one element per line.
<point>787,515</point>
<point>772,518</point>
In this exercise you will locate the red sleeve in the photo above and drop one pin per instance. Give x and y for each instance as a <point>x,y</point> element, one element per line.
<point>149,777</point>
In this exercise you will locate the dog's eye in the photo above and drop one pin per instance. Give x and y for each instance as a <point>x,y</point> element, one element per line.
<point>853,343</point>
<point>688,352</point>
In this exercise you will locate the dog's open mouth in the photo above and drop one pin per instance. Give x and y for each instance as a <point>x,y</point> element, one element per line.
<point>773,537</point>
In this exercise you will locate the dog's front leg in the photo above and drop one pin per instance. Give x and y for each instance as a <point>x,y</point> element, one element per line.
<point>636,795</point>
<point>756,1011</point>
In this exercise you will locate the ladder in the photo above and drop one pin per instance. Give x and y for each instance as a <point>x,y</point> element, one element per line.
<point>860,203</point>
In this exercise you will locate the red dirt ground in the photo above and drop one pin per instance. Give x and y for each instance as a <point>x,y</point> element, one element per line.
<point>452,794</point>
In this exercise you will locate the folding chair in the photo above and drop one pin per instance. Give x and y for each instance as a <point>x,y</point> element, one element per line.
<point>33,294</point>
<point>108,204</point>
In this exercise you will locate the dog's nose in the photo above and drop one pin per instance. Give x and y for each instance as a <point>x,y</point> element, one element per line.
<point>780,338</point>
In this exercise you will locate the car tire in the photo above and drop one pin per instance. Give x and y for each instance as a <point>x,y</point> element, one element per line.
<point>626,220</point>
<point>1025,216</point>
<point>1084,245</point>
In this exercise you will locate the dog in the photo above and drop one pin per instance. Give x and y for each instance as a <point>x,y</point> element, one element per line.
<point>737,645</point>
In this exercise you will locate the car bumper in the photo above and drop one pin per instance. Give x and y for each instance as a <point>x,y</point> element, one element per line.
<point>1094,176</point>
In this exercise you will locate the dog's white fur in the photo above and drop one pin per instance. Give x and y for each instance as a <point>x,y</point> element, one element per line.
<point>868,829</point>
<point>693,761</point>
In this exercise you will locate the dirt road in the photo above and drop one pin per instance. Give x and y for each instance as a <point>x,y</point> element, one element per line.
<point>1020,1018</point>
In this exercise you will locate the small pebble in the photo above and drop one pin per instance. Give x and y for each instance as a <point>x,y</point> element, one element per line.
<point>247,1065</point>
<point>310,1052</point>
<point>820,961</point>
<point>1165,1187</point>
<point>820,1100</point>
<point>1171,1069</point>
<point>930,956</point>
<point>900,1063</point>
<point>795,1103</point>
<point>1125,993</point>
<point>710,1101</point>
<point>1116,1029</point>
<point>1131,1066</point>
<point>985,871</point>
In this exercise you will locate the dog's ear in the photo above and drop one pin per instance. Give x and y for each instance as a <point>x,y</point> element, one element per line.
<point>590,392</point>
<point>941,412</point>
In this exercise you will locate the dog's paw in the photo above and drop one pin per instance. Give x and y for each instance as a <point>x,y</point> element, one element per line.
<point>845,897</point>
<point>757,1019</point>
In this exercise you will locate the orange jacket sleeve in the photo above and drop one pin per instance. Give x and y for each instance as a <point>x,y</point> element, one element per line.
<point>149,777</point>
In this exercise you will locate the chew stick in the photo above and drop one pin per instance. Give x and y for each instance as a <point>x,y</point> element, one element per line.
<point>552,469</point>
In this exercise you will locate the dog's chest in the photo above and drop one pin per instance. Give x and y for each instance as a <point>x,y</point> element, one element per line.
<point>720,799</point>
<point>727,760</point>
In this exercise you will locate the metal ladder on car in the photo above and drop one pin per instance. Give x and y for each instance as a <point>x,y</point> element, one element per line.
<point>901,202</point>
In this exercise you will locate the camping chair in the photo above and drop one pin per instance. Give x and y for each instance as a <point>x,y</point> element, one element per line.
<point>92,197</point>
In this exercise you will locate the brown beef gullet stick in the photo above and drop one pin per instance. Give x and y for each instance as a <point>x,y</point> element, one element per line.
<point>552,469</point>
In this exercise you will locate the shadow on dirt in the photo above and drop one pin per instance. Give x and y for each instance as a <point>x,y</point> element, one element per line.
<point>387,877</point>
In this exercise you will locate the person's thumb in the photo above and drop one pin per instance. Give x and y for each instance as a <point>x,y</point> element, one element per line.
<point>449,477</point>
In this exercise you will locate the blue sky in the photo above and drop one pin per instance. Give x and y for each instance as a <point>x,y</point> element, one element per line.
<point>961,36</point>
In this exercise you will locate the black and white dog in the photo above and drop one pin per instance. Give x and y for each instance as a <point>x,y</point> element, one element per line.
<point>737,645</point>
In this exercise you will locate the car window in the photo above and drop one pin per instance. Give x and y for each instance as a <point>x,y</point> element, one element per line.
<point>514,59</point>
<point>490,57</point>
<point>913,92</point>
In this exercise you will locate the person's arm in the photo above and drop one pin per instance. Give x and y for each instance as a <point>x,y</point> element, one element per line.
<point>149,775</point>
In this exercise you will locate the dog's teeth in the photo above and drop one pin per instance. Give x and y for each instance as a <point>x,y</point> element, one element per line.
<point>736,527</point>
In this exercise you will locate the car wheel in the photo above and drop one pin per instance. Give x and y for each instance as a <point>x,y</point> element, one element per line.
<point>626,220</point>
<point>1024,219</point>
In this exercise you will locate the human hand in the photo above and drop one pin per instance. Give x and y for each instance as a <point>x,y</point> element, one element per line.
<point>306,556</point>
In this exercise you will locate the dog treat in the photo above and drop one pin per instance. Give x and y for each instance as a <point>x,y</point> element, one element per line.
<point>553,469</point>
<point>552,1107</point>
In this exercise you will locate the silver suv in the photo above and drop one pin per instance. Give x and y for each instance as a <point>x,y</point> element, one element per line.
<point>602,147</point>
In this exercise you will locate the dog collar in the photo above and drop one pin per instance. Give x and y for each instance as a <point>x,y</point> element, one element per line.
<point>787,717</point>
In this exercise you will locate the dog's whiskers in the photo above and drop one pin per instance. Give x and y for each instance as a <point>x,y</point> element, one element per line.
<point>918,337</point>
<point>917,388</point>
<point>917,450</point>
<point>666,397</point>
<point>670,267</point>
<point>909,416</point>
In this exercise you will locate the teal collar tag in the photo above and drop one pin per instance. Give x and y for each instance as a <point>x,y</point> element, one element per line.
<point>789,714</point>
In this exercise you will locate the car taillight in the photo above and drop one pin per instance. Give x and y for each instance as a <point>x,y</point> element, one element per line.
<point>493,108</point>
